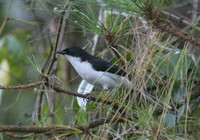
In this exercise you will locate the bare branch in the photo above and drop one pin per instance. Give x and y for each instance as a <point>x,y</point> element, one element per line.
<point>31,85</point>
<point>36,129</point>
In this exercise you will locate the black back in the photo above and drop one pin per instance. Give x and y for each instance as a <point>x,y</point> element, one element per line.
<point>98,63</point>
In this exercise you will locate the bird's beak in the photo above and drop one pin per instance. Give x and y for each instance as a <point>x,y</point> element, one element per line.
<point>60,52</point>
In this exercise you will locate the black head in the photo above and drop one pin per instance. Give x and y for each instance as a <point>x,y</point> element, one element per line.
<point>75,52</point>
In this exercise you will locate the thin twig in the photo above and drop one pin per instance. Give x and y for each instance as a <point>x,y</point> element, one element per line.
<point>7,17</point>
<point>49,56</point>
<point>61,30</point>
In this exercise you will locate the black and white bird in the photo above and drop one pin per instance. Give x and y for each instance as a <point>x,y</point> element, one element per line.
<point>95,70</point>
<point>100,72</point>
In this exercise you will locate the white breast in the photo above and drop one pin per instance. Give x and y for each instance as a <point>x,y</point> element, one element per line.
<point>104,79</point>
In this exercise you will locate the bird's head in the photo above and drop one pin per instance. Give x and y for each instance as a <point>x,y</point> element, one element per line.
<point>73,51</point>
<point>76,52</point>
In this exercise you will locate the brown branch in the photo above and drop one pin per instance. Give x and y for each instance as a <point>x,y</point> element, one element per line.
<point>153,16</point>
<point>58,89</point>
<point>36,129</point>
<point>179,17</point>
<point>102,121</point>
<point>28,131</point>
<point>19,136</point>
<point>31,85</point>
<point>178,33</point>
<point>90,97</point>
<point>117,106</point>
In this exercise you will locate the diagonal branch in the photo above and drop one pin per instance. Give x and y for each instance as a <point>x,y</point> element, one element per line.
<point>153,16</point>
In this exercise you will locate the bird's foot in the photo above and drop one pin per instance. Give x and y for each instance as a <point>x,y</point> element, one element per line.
<point>88,98</point>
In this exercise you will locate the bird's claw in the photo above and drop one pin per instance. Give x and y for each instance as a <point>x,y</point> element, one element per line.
<point>88,98</point>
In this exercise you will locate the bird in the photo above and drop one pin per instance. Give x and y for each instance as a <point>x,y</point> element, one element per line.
<point>95,70</point>
<point>100,72</point>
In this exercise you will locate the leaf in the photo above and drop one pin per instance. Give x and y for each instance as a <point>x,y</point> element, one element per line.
<point>81,117</point>
<point>164,66</point>
<point>81,114</point>
<point>171,119</point>
<point>175,65</point>
<point>196,112</point>
<point>180,63</point>
<point>179,92</point>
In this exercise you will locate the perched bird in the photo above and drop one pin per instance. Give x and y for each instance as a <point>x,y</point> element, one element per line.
<point>100,72</point>
<point>95,70</point>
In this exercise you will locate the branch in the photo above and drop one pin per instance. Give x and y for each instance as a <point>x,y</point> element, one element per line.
<point>55,129</point>
<point>86,96</point>
<point>178,33</point>
<point>37,129</point>
<point>31,85</point>
<point>154,17</point>
<point>117,106</point>
<point>179,18</point>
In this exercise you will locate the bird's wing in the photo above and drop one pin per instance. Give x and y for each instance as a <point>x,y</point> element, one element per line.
<point>100,64</point>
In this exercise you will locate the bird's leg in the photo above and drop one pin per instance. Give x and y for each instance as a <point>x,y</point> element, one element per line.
<point>88,98</point>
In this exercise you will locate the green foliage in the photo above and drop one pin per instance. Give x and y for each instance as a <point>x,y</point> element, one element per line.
<point>119,5</point>
<point>14,48</point>
<point>88,19</point>
<point>177,62</point>
<point>154,64</point>
<point>169,75</point>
